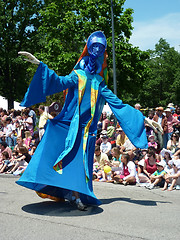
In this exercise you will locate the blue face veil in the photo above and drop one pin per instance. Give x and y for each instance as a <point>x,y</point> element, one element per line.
<point>96,46</point>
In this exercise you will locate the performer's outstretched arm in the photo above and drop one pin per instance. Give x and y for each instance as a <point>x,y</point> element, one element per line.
<point>130,119</point>
<point>45,82</point>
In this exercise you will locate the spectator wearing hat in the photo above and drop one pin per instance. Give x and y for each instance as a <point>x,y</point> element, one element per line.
<point>152,142</point>
<point>99,140</point>
<point>162,120</point>
<point>173,177</point>
<point>171,106</point>
<point>171,122</point>
<point>121,137</point>
<point>105,146</point>
<point>157,178</point>
<point>166,156</point>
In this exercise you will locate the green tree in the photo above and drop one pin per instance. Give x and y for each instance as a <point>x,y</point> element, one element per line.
<point>162,85</point>
<point>19,21</point>
<point>65,27</point>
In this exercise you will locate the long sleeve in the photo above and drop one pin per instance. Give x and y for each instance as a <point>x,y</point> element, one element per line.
<point>130,119</point>
<point>46,82</point>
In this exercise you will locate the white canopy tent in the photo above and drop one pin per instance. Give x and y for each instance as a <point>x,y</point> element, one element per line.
<point>4,104</point>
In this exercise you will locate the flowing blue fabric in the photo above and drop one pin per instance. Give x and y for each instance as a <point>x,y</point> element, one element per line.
<point>64,134</point>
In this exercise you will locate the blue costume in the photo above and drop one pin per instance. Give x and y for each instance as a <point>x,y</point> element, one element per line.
<point>63,161</point>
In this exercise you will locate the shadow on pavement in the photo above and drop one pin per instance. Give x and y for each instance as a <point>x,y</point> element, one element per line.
<point>63,209</point>
<point>129,200</point>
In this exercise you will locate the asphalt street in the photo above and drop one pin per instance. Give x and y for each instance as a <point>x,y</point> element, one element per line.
<point>127,212</point>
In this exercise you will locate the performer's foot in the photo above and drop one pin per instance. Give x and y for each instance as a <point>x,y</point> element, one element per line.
<point>81,206</point>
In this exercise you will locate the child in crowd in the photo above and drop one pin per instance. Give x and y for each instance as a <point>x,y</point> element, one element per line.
<point>5,161</point>
<point>28,138</point>
<point>96,169</point>
<point>105,146</point>
<point>157,178</point>
<point>22,159</point>
<point>173,177</point>
<point>152,142</point>
<point>128,171</point>
<point>116,157</point>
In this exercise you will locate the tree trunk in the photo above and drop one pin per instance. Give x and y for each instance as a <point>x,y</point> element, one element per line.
<point>10,104</point>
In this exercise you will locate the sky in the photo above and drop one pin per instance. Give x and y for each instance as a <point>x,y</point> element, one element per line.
<point>155,19</point>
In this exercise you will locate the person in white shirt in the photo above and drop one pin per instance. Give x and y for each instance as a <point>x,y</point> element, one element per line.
<point>128,171</point>
<point>105,146</point>
<point>9,130</point>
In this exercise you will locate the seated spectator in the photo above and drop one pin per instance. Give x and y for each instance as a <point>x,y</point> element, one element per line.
<point>99,139</point>
<point>35,138</point>
<point>4,148</point>
<point>128,171</point>
<point>20,143</point>
<point>18,129</point>
<point>157,178</point>
<point>173,143</point>
<point>116,160</point>
<point>166,156</point>
<point>121,137</point>
<point>105,146</point>
<point>5,162</point>
<point>32,149</point>
<point>129,148</point>
<point>28,138</point>
<point>102,160</point>
<point>149,166</point>
<point>173,177</point>
<point>21,160</point>
<point>152,142</point>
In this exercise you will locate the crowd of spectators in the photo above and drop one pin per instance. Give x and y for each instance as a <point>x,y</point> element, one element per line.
<point>116,159</point>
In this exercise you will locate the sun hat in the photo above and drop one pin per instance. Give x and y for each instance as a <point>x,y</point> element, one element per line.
<point>177,163</point>
<point>160,108</point>
<point>104,132</point>
<point>164,150</point>
<point>167,110</point>
<point>161,163</point>
<point>151,136</point>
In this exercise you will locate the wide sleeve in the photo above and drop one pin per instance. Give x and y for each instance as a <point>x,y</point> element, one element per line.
<point>46,82</point>
<point>130,119</point>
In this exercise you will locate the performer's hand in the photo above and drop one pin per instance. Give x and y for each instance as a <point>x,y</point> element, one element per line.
<point>30,58</point>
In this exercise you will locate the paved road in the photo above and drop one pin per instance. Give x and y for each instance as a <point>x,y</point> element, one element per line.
<point>127,212</point>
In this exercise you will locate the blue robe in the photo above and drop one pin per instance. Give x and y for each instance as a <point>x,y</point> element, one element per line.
<point>63,138</point>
